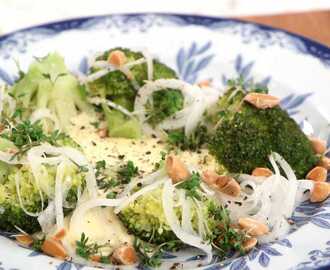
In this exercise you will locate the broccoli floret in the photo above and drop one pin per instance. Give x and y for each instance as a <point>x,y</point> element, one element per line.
<point>115,86</point>
<point>48,84</point>
<point>118,88</point>
<point>11,211</point>
<point>165,103</point>
<point>245,136</point>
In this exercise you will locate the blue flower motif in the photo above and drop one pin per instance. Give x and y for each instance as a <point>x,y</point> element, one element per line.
<point>83,65</point>
<point>291,102</point>
<point>244,71</point>
<point>69,266</point>
<point>191,61</point>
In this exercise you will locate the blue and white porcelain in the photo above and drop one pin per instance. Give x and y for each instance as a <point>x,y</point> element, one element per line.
<point>294,68</point>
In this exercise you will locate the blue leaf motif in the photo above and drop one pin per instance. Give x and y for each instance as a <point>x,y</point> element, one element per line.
<point>34,254</point>
<point>285,243</point>
<point>83,65</point>
<point>64,266</point>
<point>245,72</point>
<point>180,60</point>
<point>6,77</point>
<point>265,81</point>
<point>78,266</point>
<point>296,101</point>
<point>192,49</point>
<point>323,215</point>
<point>188,69</point>
<point>321,223</point>
<point>286,100</point>
<point>238,63</point>
<point>167,255</point>
<point>271,251</point>
<point>204,48</point>
<point>203,63</point>
<point>253,254</point>
<point>238,264</point>
<point>264,259</point>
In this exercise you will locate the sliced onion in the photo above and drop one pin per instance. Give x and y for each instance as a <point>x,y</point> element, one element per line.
<point>173,222</point>
<point>47,218</point>
<point>10,159</point>
<point>42,114</point>
<point>59,195</point>
<point>126,201</point>
<point>150,66</point>
<point>98,101</point>
<point>186,205</point>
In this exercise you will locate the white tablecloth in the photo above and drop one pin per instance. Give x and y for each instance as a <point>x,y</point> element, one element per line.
<point>16,14</point>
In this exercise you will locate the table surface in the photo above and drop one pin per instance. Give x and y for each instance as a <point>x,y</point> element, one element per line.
<point>314,25</point>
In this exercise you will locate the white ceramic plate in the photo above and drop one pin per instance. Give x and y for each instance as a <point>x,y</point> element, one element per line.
<point>295,69</point>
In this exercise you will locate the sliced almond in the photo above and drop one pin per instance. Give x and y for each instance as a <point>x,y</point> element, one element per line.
<point>125,255</point>
<point>24,239</point>
<point>262,172</point>
<point>317,174</point>
<point>321,192</point>
<point>103,133</point>
<point>212,178</point>
<point>262,101</point>
<point>59,235</point>
<point>319,146</point>
<point>204,83</point>
<point>176,169</point>
<point>95,258</point>
<point>253,227</point>
<point>54,248</point>
<point>249,244</point>
<point>231,188</point>
<point>325,162</point>
<point>117,58</point>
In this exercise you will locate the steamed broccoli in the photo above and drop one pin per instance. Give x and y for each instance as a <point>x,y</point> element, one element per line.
<point>19,139</point>
<point>165,103</point>
<point>245,136</point>
<point>116,87</point>
<point>48,84</point>
<point>11,211</point>
<point>145,217</point>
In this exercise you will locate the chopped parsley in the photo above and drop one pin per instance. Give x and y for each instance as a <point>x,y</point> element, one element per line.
<point>151,255</point>
<point>127,172</point>
<point>191,186</point>
<point>85,249</point>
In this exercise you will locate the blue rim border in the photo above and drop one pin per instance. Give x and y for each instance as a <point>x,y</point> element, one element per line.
<point>313,48</point>
<point>68,24</point>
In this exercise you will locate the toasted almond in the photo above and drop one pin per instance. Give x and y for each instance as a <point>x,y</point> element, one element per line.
<point>59,235</point>
<point>125,255</point>
<point>54,248</point>
<point>253,227</point>
<point>324,162</point>
<point>24,239</point>
<point>231,188</point>
<point>262,172</point>
<point>103,133</point>
<point>212,178</point>
<point>249,244</point>
<point>117,58</point>
<point>176,169</point>
<point>317,174</point>
<point>320,192</point>
<point>95,258</point>
<point>262,101</point>
<point>319,146</point>
<point>204,83</point>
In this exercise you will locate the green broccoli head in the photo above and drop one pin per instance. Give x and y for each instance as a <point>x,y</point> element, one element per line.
<point>245,136</point>
<point>165,103</point>
<point>145,217</point>
<point>48,84</point>
<point>118,88</point>
<point>11,210</point>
